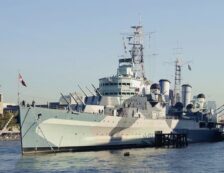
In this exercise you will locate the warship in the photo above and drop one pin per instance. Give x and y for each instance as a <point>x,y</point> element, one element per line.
<point>125,110</point>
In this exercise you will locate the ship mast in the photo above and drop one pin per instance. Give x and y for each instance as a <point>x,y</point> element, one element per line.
<point>177,78</point>
<point>135,47</point>
<point>136,51</point>
<point>177,81</point>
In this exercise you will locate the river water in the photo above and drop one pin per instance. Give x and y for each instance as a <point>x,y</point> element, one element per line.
<point>196,158</point>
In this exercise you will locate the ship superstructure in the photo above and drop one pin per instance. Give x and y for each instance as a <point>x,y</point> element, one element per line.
<point>130,79</point>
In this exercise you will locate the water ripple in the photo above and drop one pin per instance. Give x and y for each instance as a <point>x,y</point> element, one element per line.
<point>196,158</point>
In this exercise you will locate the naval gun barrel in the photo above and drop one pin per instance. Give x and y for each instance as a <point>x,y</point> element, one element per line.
<point>80,99</point>
<point>74,98</point>
<point>90,91</point>
<point>66,101</point>
<point>96,90</point>
<point>82,91</point>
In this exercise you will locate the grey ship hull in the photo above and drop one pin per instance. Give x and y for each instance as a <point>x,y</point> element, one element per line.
<point>48,130</point>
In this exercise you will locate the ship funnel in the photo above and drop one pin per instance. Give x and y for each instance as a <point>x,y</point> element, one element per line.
<point>186,94</point>
<point>164,87</point>
<point>165,90</point>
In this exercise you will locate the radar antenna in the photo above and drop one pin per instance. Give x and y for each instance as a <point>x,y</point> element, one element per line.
<point>135,47</point>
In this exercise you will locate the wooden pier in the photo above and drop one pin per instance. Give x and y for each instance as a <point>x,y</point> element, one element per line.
<point>170,140</point>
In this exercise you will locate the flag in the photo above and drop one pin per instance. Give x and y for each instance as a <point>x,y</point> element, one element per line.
<point>189,67</point>
<point>21,80</point>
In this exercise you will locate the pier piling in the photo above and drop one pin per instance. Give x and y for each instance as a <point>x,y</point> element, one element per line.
<point>173,140</point>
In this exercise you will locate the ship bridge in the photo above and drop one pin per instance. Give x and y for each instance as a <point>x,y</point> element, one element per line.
<point>124,85</point>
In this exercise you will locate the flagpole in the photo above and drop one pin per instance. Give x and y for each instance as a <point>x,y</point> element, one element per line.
<point>18,89</point>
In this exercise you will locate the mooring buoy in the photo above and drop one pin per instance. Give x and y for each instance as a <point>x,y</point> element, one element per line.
<point>126,154</point>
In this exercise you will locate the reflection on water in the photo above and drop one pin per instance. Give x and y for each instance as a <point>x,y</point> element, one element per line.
<point>207,157</point>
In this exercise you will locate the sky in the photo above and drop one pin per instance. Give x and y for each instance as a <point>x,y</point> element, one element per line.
<point>58,44</point>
